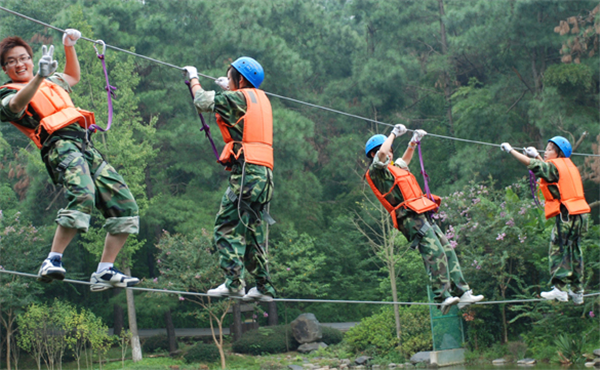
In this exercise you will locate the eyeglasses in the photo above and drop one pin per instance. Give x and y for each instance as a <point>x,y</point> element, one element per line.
<point>13,62</point>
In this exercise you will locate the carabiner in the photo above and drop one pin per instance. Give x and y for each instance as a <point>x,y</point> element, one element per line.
<point>103,47</point>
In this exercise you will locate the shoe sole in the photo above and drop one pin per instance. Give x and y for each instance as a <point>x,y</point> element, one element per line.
<point>260,299</point>
<point>446,309</point>
<point>105,286</point>
<point>557,299</point>
<point>48,278</point>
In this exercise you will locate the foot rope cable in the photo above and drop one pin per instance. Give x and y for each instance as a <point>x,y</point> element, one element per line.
<point>272,94</point>
<point>304,300</point>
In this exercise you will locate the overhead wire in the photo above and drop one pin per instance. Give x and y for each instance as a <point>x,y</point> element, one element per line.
<point>282,97</point>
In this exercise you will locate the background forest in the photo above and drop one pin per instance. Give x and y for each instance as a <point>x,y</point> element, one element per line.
<point>513,70</point>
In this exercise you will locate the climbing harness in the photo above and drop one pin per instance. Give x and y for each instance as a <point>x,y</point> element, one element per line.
<point>533,187</point>
<point>110,90</point>
<point>425,176</point>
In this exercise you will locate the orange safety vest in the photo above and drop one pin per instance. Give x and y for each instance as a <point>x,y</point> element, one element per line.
<point>570,188</point>
<point>411,192</point>
<point>55,109</point>
<point>257,138</point>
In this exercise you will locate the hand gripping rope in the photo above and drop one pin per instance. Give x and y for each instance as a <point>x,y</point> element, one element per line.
<point>110,90</point>
<point>204,127</point>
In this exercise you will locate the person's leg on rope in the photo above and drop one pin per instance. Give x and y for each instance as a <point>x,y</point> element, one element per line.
<point>118,206</point>
<point>79,189</point>
<point>560,261</point>
<point>230,239</point>
<point>419,231</point>
<point>459,286</point>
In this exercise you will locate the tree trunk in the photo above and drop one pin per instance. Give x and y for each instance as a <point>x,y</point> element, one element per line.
<point>170,332</point>
<point>395,298</point>
<point>118,315</point>
<point>237,321</point>
<point>8,350</point>
<point>136,348</point>
<point>446,75</point>
<point>273,316</point>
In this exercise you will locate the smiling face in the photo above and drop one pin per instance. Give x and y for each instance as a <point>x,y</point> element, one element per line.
<point>18,64</point>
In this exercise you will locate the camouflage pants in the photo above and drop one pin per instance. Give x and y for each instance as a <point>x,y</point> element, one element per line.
<point>565,255</point>
<point>441,262</point>
<point>108,192</point>
<point>239,233</point>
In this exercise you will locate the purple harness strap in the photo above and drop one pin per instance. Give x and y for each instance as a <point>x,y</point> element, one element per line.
<point>109,89</point>
<point>425,176</point>
<point>204,127</point>
<point>532,185</point>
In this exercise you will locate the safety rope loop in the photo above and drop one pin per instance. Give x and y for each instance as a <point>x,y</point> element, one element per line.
<point>110,90</point>
<point>424,173</point>
<point>205,127</point>
<point>532,185</point>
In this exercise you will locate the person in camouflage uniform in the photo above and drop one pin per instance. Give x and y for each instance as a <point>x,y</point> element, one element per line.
<point>71,161</point>
<point>440,260</point>
<point>239,231</point>
<point>565,254</point>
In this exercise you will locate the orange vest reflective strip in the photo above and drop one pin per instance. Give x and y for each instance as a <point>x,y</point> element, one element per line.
<point>257,138</point>
<point>570,188</point>
<point>411,192</point>
<point>55,109</point>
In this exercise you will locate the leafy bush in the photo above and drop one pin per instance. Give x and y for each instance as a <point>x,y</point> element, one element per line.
<point>156,343</point>
<point>331,335</point>
<point>377,334</point>
<point>272,339</point>
<point>202,352</point>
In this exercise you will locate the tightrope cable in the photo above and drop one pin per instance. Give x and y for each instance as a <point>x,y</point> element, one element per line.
<point>304,300</point>
<point>157,61</point>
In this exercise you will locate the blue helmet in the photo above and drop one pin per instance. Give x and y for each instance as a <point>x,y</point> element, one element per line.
<point>374,142</point>
<point>563,144</point>
<point>250,69</point>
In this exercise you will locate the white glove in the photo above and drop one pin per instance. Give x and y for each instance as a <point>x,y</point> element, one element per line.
<point>71,36</point>
<point>47,65</point>
<point>531,152</point>
<point>190,72</point>
<point>399,130</point>
<point>506,147</point>
<point>223,83</point>
<point>418,136</point>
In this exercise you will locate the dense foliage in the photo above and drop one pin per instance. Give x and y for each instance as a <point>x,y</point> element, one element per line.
<point>519,71</point>
<point>272,339</point>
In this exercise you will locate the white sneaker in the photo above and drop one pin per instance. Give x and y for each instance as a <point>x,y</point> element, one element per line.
<point>576,297</point>
<point>468,299</point>
<point>448,303</point>
<point>111,278</point>
<point>557,294</point>
<point>255,295</point>
<point>223,291</point>
<point>51,269</point>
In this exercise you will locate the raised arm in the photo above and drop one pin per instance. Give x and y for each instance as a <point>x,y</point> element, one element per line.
<point>386,148</point>
<point>72,73</point>
<point>410,150</point>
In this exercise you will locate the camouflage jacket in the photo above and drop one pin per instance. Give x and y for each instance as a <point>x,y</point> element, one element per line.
<point>546,171</point>
<point>230,105</point>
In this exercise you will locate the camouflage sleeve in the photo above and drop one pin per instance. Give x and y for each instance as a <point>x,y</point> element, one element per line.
<point>544,170</point>
<point>58,79</point>
<point>6,115</point>
<point>204,100</point>
<point>402,164</point>
<point>377,164</point>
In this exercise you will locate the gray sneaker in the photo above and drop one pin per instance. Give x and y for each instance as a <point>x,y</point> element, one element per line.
<point>223,291</point>
<point>51,269</point>
<point>576,297</point>
<point>111,278</point>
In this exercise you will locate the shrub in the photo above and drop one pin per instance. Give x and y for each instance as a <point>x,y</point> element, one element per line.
<point>377,334</point>
<point>156,343</point>
<point>272,339</point>
<point>331,335</point>
<point>202,352</point>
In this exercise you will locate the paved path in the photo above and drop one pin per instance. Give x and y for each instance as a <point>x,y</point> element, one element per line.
<point>205,332</point>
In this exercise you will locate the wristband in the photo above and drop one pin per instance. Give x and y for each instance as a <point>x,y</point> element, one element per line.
<point>412,144</point>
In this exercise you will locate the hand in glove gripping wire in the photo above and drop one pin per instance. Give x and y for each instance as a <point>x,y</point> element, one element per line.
<point>46,64</point>
<point>418,136</point>
<point>399,130</point>
<point>190,72</point>
<point>531,152</point>
<point>71,36</point>
<point>506,147</point>
<point>223,83</point>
